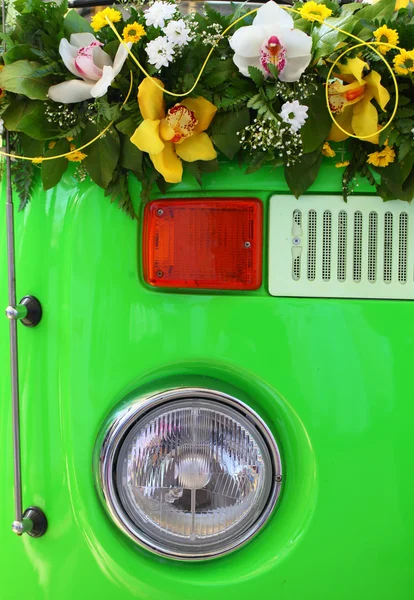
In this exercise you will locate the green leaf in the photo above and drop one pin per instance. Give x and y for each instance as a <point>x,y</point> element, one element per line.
<point>225,128</point>
<point>28,116</point>
<point>303,173</point>
<point>17,77</point>
<point>404,149</point>
<point>131,156</point>
<point>19,52</point>
<point>257,76</point>
<point>74,23</point>
<point>223,72</point>
<point>118,191</point>
<point>31,147</point>
<point>383,9</point>
<point>326,39</point>
<point>404,125</point>
<point>318,124</point>
<point>256,162</point>
<point>128,125</point>
<point>6,39</point>
<point>102,155</point>
<point>194,170</point>
<point>23,176</point>
<point>404,100</point>
<point>392,137</point>
<point>405,111</point>
<point>52,170</point>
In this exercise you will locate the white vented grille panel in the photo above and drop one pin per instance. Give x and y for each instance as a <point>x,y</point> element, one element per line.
<point>321,247</point>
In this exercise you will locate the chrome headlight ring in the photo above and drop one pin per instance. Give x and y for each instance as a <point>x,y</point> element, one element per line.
<point>112,465</point>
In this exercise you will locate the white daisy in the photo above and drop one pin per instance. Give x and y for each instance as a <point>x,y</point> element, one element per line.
<point>160,52</point>
<point>177,32</point>
<point>158,13</point>
<point>295,114</point>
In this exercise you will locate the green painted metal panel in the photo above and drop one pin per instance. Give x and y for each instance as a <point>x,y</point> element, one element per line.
<point>332,378</point>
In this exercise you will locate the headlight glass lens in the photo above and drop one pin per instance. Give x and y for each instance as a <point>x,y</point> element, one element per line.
<point>194,477</point>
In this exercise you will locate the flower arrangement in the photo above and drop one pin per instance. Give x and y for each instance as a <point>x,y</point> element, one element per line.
<point>156,93</point>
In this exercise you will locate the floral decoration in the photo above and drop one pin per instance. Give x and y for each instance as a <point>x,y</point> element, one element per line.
<point>160,94</point>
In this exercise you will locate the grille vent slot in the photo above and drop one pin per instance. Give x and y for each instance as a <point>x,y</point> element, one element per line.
<point>357,245</point>
<point>326,249</point>
<point>342,244</point>
<point>372,246</point>
<point>402,248</point>
<point>312,245</point>
<point>321,247</point>
<point>388,224</point>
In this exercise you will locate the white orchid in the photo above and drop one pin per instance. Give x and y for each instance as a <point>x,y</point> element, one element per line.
<point>272,39</point>
<point>84,57</point>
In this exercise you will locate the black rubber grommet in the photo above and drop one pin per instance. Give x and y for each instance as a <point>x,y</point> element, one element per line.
<point>34,311</point>
<point>38,519</point>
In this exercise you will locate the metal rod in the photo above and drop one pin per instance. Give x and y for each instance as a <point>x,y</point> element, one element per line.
<point>13,324</point>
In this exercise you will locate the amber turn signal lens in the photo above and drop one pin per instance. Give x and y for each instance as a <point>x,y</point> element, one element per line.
<point>213,243</point>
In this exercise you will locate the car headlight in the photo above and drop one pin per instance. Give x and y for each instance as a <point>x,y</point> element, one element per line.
<point>189,473</point>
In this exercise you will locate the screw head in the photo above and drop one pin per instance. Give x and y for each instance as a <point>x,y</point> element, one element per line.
<point>160,273</point>
<point>17,527</point>
<point>247,244</point>
<point>278,478</point>
<point>296,241</point>
<point>160,212</point>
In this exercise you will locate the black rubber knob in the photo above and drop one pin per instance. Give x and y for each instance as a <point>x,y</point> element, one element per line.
<point>38,519</point>
<point>34,311</point>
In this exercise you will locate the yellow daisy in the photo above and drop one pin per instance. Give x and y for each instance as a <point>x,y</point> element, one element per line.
<point>328,151</point>
<point>339,165</point>
<point>133,33</point>
<point>383,158</point>
<point>388,36</point>
<point>99,20</point>
<point>404,62</point>
<point>75,155</point>
<point>37,160</point>
<point>311,11</point>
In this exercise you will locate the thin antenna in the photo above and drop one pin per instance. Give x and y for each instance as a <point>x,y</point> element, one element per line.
<point>33,520</point>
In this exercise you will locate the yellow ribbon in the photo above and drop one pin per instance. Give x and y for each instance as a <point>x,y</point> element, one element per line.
<point>142,69</point>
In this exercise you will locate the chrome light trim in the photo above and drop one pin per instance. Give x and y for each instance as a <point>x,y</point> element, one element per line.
<point>110,440</point>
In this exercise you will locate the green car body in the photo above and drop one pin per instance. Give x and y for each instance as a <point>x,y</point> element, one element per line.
<point>332,378</point>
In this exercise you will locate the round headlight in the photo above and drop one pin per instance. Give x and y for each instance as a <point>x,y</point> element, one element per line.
<point>190,473</point>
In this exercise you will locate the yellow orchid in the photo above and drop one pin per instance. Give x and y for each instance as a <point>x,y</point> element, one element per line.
<point>350,102</point>
<point>398,3</point>
<point>177,135</point>
<point>401,4</point>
